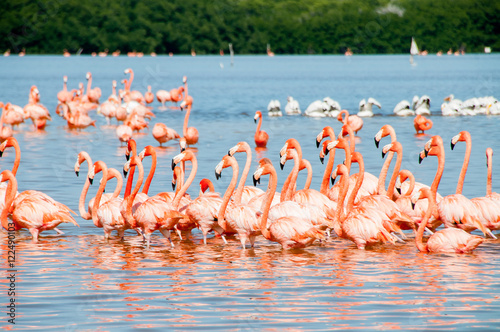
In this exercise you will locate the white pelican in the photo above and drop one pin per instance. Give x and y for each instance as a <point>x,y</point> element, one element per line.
<point>403,109</point>
<point>316,109</point>
<point>414,102</point>
<point>423,106</point>
<point>274,108</point>
<point>292,106</point>
<point>331,107</point>
<point>365,108</point>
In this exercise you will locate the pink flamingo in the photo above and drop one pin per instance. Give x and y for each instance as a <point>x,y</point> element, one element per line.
<point>244,193</point>
<point>87,215</point>
<point>290,232</point>
<point>451,240</point>
<point>354,121</point>
<point>107,215</point>
<point>124,133</point>
<point>5,132</point>
<point>189,133</point>
<point>14,115</point>
<point>93,95</point>
<point>163,134</point>
<point>163,96</point>
<point>37,112</point>
<point>132,95</point>
<point>153,214</point>
<point>236,218</point>
<point>34,212</point>
<point>149,97</point>
<point>260,137</point>
<point>361,225</point>
<point>484,214</point>
<point>64,95</point>
<point>454,210</point>
<point>421,124</point>
<point>206,184</point>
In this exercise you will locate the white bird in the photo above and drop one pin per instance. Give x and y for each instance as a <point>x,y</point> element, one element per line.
<point>451,106</point>
<point>423,106</point>
<point>403,109</point>
<point>365,108</point>
<point>316,109</point>
<point>494,108</point>
<point>292,106</point>
<point>331,107</point>
<point>274,108</point>
<point>414,102</point>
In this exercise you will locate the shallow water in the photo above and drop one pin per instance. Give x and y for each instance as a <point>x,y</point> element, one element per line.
<point>79,282</point>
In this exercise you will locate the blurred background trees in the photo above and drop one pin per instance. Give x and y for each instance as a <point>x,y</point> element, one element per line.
<point>289,26</point>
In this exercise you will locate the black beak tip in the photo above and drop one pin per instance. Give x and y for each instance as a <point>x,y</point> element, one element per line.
<point>1,153</point>
<point>254,181</point>
<point>398,190</point>
<point>383,154</point>
<point>127,156</point>
<point>452,146</point>
<point>420,159</point>
<point>217,175</point>
<point>322,160</point>
<point>317,144</point>
<point>282,166</point>
<point>412,206</point>
<point>125,173</point>
<point>91,180</point>
<point>255,120</point>
<point>332,180</point>
<point>173,186</point>
<point>173,165</point>
<point>228,152</point>
<point>376,142</point>
<point>426,152</point>
<point>77,173</point>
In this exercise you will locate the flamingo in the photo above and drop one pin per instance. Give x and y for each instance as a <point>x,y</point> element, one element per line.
<point>163,96</point>
<point>64,95</point>
<point>149,97</point>
<point>453,240</point>
<point>290,232</point>
<point>454,210</point>
<point>132,95</point>
<point>153,214</point>
<point>237,217</point>
<point>361,225</point>
<point>93,95</point>
<point>107,215</point>
<point>87,215</point>
<point>261,137</point>
<point>206,184</point>
<point>354,121</point>
<point>5,132</point>
<point>14,115</point>
<point>124,133</point>
<point>35,212</point>
<point>163,134</point>
<point>421,123</point>
<point>489,205</point>
<point>244,193</point>
<point>37,112</point>
<point>189,133</point>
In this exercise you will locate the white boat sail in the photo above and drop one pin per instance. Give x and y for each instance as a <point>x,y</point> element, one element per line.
<point>413,49</point>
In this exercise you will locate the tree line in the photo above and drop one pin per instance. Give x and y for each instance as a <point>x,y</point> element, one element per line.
<point>288,26</point>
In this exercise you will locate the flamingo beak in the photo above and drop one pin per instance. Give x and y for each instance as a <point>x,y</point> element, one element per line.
<point>77,173</point>
<point>376,142</point>
<point>317,143</point>
<point>173,185</point>
<point>412,206</point>
<point>383,154</point>
<point>332,180</point>
<point>91,180</point>
<point>218,176</point>
<point>125,173</point>
<point>255,181</point>
<point>420,158</point>
<point>322,160</point>
<point>282,166</point>
<point>173,164</point>
<point>398,189</point>
<point>452,145</point>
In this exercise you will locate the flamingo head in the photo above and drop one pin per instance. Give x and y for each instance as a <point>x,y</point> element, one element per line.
<point>258,114</point>
<point>65,79</point>
<point>114,84</point>
<point>127,71</point>
<point>88,76</point>
<point>341,169</point>
<point>2,105</point>
<point>461,137</point>
<point>324,150</point>
<point>205,184</point>
<point>184,79</point>
<point>183,156</point>
<point>183,144</point>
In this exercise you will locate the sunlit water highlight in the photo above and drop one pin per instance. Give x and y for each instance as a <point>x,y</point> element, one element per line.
<point>80,282</point>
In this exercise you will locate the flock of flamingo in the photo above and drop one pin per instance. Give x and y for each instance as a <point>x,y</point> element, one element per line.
<point>128,107</point>
<point>358,208</point>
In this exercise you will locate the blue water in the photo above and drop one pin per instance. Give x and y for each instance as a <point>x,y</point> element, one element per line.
<point>80,282</point>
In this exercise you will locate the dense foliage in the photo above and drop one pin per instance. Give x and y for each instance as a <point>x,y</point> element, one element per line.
<point>289,26</point>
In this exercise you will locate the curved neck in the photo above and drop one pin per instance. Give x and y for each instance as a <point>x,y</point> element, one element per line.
<point>357,185</point>
<point>186,119</point>
<point>113,173</point>
<point>186,185</point>
<point>89,85</point>
<point>257,130</point>
<point>350,132</point>
<point>129,217</point>
<point>227,195</point>
<point>421,228</point>
<point>98,196</point>
<point>395,172</point>
<point>439,172</point>
<point>129,82</point>
<point>81,202</point>
<point>17,159</point>
<point>151,173</point>
<point>325,185</point>
<point>244,175</point>
<point>411,186</point>
<point>10,195</point>
<point>339,213</point>
<point>290,190</point>
<point>461,178</point>
<point>383,174</point>
<point>271,189</point>
<point>307,165</point>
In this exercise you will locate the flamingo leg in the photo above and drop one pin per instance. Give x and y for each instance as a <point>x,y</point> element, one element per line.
<point>34,232</point>
<point>243,240</point>
<point>166,233</point>
<point>58,231</point>
<point>178,232</point>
